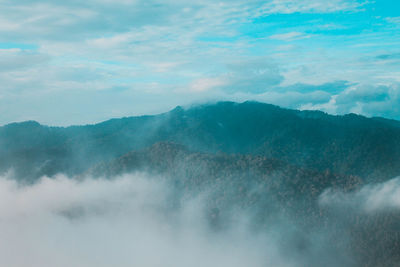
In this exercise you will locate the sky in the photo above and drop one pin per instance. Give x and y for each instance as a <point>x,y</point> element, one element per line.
<point>79,62</point>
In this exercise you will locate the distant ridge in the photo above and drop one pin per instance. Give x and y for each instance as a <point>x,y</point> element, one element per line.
<point>349,144</point>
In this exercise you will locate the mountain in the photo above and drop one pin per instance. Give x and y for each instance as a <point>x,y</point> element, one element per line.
<point>245,180</point>
<point>348,145</point>
<point>270,192</point>
<point>315,178</point>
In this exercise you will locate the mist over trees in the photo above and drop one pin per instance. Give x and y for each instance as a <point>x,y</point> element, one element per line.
<point>349,144</point>
<point>292,184</point>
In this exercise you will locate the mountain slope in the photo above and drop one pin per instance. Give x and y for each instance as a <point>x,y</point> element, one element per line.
<point>306,170</point>
<point>350,144</point>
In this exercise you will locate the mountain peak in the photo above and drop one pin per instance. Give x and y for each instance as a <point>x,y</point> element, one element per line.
<point>29,123</point>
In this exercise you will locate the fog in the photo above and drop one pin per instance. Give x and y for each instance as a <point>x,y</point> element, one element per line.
<point>126,221</point>
<point>142,220</point>
<point>370,198</point>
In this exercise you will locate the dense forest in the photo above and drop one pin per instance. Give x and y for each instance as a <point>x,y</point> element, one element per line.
<point>308,168</point>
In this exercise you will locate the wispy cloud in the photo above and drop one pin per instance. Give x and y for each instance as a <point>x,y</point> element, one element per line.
<point>168,49</point>
<point>395,20</point>
<point>370,198</point>
<point>311,6</point>
<point>290,36</point>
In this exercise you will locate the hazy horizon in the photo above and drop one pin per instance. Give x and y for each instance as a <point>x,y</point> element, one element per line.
<point>73,62</point>
<point>188,107</point>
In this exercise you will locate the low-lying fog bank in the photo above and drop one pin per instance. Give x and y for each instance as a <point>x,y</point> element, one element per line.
<point>142,220</point>
<point>132,220</point>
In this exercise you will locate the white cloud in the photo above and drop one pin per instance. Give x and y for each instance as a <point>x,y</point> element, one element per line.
<point>293,99</point>
<point>252,75</point>
<point>363,99</point>
<point>205,84</point>
<point>121,222</point>
<point>311,6</point>
<point>290,36</point>
<point>16,59</point>
<point>162,47</point>
<point>370,198</point>
<point>394,20</point>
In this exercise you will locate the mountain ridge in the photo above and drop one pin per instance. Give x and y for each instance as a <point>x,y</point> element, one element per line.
<point>274,165</point>
<point>180,108</point>
<point>349,144</point>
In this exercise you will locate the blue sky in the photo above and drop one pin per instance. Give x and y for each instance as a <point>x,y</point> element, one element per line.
<point>78,62</point>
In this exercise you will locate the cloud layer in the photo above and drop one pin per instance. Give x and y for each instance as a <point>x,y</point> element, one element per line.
<point>149,56</point>
<point>134,220</point>
<point>141,220</point>
<point>122,222</point>
<point>372,198</point>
